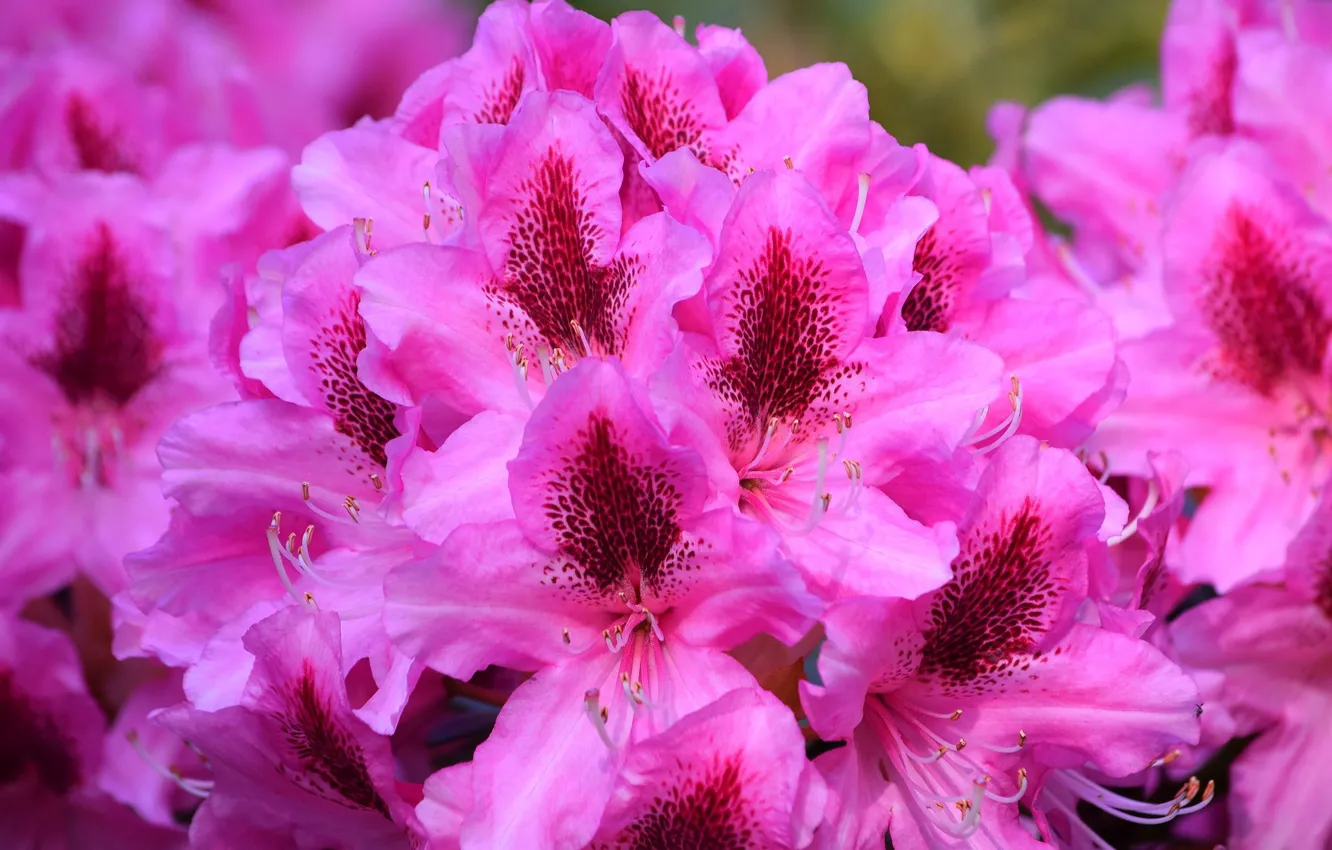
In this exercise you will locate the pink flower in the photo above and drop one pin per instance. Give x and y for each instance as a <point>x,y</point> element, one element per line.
<point>1235,382</point>
<point>50,751</point>
<point>280,499</point>
<point>810,414</point>
<point>1262,655</point>
<point>620,580</point>
<point>971,261</point>
<point>290,759</point>
<point>107,349</point>
<point>732,772</point>
<point>946,701</point>
<point>550,280</point>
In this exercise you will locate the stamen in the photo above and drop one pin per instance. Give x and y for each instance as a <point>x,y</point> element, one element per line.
<point>377,481</point>
<point>363,233</point>
<point>1148,505</point>
<point>820,503</point>
<point>547,371</point>
<point>200,788</point>
<point>678,22</point>
<point>1013,798</point>
<point>92,449</point>
<point>349,504</point>
<point>567,640</point>
<point>519,366</point>
<point>763,446</point>
<point>862,197</point>
<point>429,207</point>
<point>790,165</point>
<point>280,556</point>
<point>598,715</point>
<point>1008,427</point>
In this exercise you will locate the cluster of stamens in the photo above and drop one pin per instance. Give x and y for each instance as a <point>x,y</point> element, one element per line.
<point>902,728</point>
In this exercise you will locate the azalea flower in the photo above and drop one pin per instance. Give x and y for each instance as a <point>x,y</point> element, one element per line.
<point>620,580</point>
<point>1261,657</point>
<point>945,702</point>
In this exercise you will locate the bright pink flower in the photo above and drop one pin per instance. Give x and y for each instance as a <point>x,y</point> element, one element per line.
<point>805,414</point>
<point>550,280</point>
<point>621,580</point>
<point>1060,351</point>
<point>1262,655</point>
<point>108,348</point>
<point>1237,382</point>
<point>291,759</point>
<point>945,701</point>
<point>728,774</point>
<point>288,496</point>
<point>50,751</point>
<point>519,47</point>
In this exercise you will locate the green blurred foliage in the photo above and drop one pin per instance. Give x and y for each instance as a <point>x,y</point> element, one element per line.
<point>934,67</point>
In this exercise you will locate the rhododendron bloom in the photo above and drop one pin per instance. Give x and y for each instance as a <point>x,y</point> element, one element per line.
<point>51,749</point>
<point>1262,656</point>
<point>107,349</point>
<point>620,579</point>
<point>1237,381</point>
<point>809,411</point>
<point>290,759</point>
<point>944,700</point>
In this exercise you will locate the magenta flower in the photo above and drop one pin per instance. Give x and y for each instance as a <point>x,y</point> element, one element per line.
<point>107,348</point>
<point>811,414</point>
<point>1261,657</point>
<point>290,759</point>
<point>51,750</point>
<point>621,580</point>
<point>945,701</point>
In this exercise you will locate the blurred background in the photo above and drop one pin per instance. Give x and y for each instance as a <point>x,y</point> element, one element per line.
<point>933,67</point>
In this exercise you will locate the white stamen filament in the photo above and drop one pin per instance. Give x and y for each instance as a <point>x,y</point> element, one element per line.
<point>200,788</point>
<point>363,233</point>
<point>349,504</point>
<point>1006,428</point>
<point>1137,811</point>
<point>519,364</point>
<point>429,209</point>
<point>763,446</point>
<point>862,196</point>
<point>598,716</point>
<point>819,505</point>
<point>1148,505</point>
<point>582,338</point>
<point>280,556</point>
<point>547,371</point>
<point>92,450</point>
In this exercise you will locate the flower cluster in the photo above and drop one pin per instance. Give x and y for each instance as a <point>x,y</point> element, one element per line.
<point>616,447</point>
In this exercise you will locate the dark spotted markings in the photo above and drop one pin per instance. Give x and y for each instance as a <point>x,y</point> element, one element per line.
<point>550,273</point>
<point>995,608</point>
<point>706,812</point>
<point>928,305</point>
<point>105,348</point>
<point>359,413</point>
<point>1210,110</point>
<point>502,96</point>
<point>1260,303</point>
<point>332,765</point>
<point>615,518</point>
<point>30,742</point>
<point>660,115</point>
<point>785,319</point>
<point>95,147</point>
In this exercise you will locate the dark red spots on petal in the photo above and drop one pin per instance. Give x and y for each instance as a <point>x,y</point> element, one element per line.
<point>105,347</point>
<point>998,604</point>
<point>359,413</point>
<point>785,320</point>
<point>502,95</point>
<point>95,145</point>
<point>706,811</point>
<point>550,273</point>
<point>1259,301</point>
<point>31,743</point>
<point>331,763</point>
<point>930,301</point>
<point>660,115</point>
<point>615,518</point>
<point>1210,110</point>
